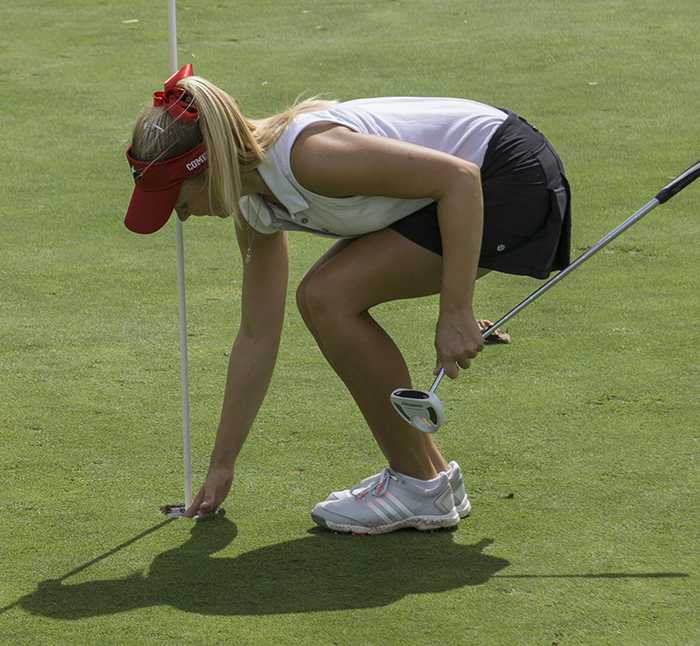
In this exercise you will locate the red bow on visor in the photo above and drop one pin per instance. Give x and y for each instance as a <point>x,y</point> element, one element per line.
<point>178,103</point>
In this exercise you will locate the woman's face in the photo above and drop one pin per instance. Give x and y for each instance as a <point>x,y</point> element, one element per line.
<point>194,199</point>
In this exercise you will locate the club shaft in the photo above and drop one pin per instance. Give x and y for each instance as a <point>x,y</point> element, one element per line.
<point>180,248</point>
<point>562,274</point>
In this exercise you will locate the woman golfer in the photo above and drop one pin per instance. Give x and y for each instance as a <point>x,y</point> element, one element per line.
<point>424,195</point>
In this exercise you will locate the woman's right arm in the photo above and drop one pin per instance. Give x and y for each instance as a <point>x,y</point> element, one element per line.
<point>252,358</point>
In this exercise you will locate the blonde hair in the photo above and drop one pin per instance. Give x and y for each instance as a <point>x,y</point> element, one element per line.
<point>234,143</point>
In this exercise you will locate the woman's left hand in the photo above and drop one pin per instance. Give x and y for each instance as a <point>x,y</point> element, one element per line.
<point>457,340</point>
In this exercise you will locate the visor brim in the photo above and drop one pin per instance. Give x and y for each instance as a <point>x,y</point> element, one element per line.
<point>149,210</point>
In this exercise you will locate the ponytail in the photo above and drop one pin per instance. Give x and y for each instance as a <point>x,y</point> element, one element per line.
<point>228,138</point>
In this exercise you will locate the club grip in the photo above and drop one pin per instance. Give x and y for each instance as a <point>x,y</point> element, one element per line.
<point>678,184</point>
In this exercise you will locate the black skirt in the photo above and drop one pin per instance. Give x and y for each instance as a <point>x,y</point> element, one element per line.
<point>527,205</point>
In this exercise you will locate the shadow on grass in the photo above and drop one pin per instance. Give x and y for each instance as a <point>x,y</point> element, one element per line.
<point>322,571</point>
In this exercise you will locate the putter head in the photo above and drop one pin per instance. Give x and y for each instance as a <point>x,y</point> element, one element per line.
<point>422,410</point>
<point>178,511</point>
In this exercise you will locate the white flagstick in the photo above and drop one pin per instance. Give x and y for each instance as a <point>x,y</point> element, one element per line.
<point>187,457</point>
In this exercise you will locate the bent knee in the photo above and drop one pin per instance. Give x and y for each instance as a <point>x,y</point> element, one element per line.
<point>309,296</point>
<point>315,298</point>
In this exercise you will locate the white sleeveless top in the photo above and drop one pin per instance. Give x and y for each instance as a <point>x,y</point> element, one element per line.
<point>456,126</point>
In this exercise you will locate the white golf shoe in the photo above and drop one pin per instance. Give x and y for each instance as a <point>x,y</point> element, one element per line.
<point>454,473</point>
<point>389,503</point>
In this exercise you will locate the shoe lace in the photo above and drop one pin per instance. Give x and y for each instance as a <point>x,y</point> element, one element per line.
<point>378,487</point>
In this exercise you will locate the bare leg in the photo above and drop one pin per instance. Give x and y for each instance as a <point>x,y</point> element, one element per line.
<point>335,298</point>
<point>367,360</point>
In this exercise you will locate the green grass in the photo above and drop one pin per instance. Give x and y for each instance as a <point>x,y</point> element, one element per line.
<point>579,440</point>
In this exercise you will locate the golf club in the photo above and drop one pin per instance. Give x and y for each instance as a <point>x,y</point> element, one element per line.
<point>424,411</point>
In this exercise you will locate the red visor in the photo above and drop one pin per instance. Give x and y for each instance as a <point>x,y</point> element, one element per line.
<point>158,186</point>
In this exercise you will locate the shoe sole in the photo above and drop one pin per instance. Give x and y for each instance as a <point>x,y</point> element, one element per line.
<point>421,523</point>
<point>463,509</point>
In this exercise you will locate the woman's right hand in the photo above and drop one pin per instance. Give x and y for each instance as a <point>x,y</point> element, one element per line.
<point>213,492</point>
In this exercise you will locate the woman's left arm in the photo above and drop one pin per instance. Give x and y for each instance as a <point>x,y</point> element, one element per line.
<point>340,162</point>
<point>460,214</point>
